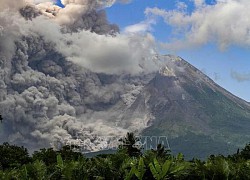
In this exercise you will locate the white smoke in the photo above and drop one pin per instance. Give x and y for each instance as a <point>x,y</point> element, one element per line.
<point>50,91</point>
<point>73,10</point>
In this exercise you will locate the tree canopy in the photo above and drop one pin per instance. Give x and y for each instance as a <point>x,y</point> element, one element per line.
<point>128,162</point>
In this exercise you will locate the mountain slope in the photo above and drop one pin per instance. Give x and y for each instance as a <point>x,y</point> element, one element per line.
<point>194,112</point>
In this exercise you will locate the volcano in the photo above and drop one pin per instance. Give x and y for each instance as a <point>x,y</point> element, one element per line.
<point>198,116</point>
<point>67,76</point>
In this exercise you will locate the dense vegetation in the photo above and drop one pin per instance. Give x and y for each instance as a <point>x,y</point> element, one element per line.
<point>127,163</point>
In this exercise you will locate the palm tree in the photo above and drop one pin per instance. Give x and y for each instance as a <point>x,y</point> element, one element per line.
<point>162,152</point>
<point>245,153</point>
<point>130,144</point>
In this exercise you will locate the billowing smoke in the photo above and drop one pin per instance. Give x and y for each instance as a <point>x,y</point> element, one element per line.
<point>7,5</point>
<point>81,14</point>
<point>65,82</point>
<point>29,12</point>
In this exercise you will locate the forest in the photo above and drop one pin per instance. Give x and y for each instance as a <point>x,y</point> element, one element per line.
<point>128,162</point>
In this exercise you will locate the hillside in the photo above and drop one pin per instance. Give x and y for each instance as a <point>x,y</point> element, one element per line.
<point>195,113</point>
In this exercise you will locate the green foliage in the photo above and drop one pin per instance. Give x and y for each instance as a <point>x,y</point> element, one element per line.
<point>156,164</point>
<point>129,143</point>
<point>245,153</point>
<point>12,156</point>
<point>36,170</point>
<point>137,170</point>
<point>59,162</point>
<point>171,168</point>
<point>48,156</point>
<point>217,167</point>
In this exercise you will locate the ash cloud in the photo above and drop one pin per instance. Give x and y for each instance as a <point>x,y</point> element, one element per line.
<point>47,99</point>
<point>11,5</point>
<point>29,12</point>
<point>81,14</point>
<point>56,83</point>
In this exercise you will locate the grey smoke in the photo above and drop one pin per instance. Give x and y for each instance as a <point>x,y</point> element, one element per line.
<point>94,21</point>
<point>11,5</point>
<point>47,104</point>
<point>29,12</point>
<point>46,97</point>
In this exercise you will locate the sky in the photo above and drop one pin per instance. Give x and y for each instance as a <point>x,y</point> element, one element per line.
<point>212,35</point>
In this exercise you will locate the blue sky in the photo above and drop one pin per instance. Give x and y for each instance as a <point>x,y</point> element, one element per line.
<point>58,2</point>
<point>217,63</point>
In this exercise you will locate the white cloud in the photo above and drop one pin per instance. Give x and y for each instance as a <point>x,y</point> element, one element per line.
<point>225,23</point>
<point>181,5</point>
<point>240,77</point>
<point>140,27</point>
<point>199,2</point>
